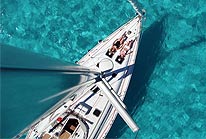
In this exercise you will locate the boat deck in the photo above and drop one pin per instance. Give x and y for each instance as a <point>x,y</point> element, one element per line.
<point>119,76</point>
<point>91,106</point>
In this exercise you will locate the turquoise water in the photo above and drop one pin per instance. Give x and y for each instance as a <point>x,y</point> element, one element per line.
<point>168,89</point>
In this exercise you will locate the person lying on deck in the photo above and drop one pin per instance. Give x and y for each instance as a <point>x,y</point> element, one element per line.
<point>127,46</point>
<point>119,42</point>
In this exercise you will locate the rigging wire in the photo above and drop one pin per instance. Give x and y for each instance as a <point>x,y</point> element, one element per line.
<point>89,82</point>
<point>143,11</point>
<point>133,5</point>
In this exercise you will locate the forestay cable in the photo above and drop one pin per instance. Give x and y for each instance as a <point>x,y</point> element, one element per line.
<point>133,5</point>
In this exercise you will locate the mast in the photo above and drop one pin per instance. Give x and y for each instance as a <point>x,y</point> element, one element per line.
<point>30,61</point>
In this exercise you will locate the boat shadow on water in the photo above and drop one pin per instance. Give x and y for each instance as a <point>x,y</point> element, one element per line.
<point>147,58</point>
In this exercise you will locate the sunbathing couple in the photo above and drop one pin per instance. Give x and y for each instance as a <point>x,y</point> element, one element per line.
<point>120,44</point>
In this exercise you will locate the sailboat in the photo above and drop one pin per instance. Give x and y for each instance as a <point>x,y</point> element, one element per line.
<point>90,108</point>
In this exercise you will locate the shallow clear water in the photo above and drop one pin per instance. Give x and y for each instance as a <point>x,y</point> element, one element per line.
<point>168,89</point>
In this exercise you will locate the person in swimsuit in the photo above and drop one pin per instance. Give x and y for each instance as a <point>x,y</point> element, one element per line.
<point>119,42</point>
<point>126,48</point>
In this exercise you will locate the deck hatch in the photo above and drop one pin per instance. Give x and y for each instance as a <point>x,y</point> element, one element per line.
<point>97,112</point>
<point>95,89</point>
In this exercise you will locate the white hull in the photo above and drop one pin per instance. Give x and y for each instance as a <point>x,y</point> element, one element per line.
<point>90,107</point>
<point>126,69</point>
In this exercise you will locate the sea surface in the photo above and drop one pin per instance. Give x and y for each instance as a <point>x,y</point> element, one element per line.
<point>167,94</point>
